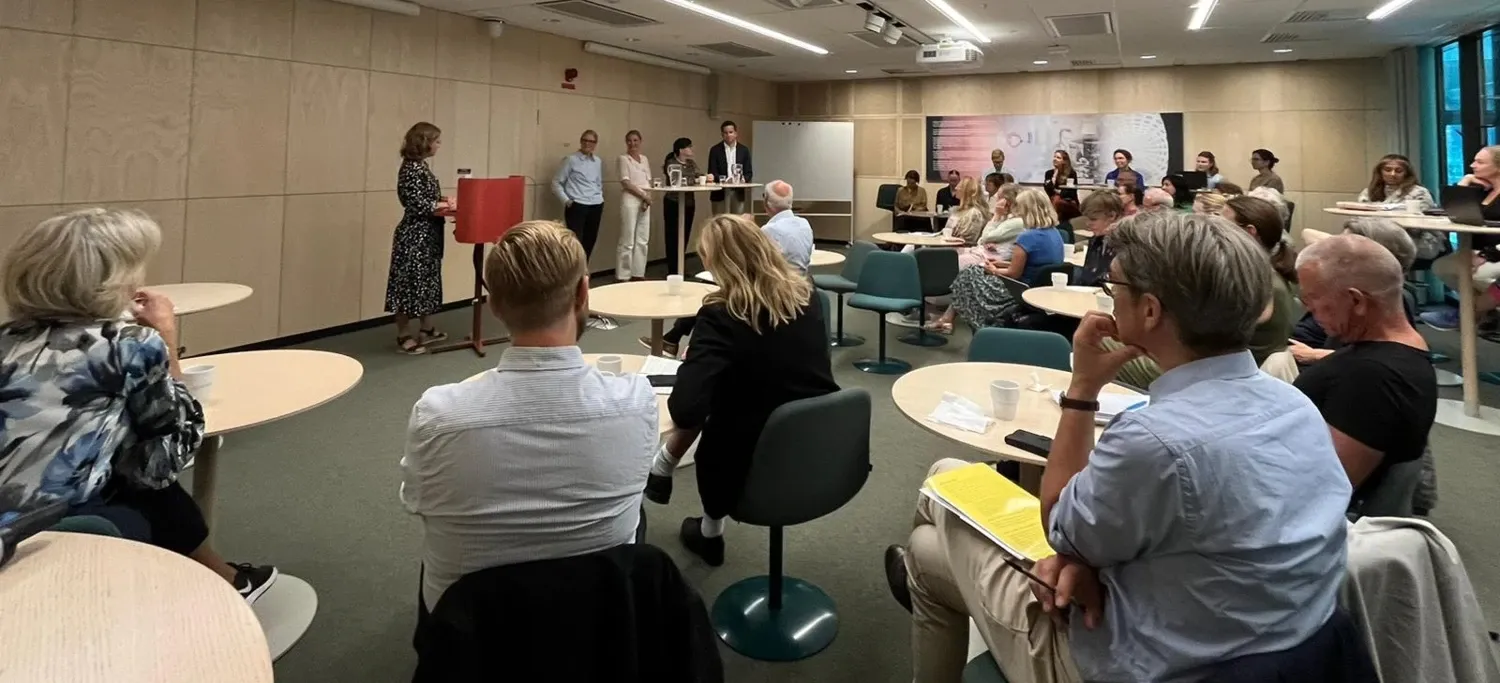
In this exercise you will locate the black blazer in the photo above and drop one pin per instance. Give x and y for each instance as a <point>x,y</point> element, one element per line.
<point>1053,189</point>
<point>718,167</point>
<point>945,197</point>
<point>624,615</point>
<point>732,379</point>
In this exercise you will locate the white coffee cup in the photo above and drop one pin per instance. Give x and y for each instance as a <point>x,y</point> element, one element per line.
<point>674,284</point>
<point>1414,206</point>
<point>1104,303</point>
<point>610,364</point>
<point>1059,280</point>
<point>199,380</point>
<point>1005,398</point>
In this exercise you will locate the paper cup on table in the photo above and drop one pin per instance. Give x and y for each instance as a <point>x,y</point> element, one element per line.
<point>674,284</point>
<point>1005,398</point>
<point>1414,206</point>
<point>610,364</point>
<point>1059,280</point>
<point>199,380</point>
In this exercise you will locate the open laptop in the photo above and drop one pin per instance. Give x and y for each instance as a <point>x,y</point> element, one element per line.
<point>1195,180</point>
<point>1464,205</point>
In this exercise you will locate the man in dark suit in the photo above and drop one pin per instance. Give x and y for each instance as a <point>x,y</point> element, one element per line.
<point>945,198</point>
<point>721,160</point>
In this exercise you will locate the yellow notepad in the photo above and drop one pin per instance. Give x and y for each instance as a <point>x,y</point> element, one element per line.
<point>994,505</point>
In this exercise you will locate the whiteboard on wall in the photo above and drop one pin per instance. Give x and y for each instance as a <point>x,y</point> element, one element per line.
<point>816,157</point>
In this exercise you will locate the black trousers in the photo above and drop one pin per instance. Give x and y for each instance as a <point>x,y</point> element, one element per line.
<point>682,328</point>
<point>166,518</point>
<point>669,211</point>
<point>583,220</point>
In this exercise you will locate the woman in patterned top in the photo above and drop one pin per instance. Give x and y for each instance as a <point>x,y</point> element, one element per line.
<point>91,407</point>
<point>414,288</point>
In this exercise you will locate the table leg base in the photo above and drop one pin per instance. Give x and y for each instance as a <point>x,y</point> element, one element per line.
<point>848,340</point>
<point>886,366</point>
<point>1451,413</point>
<point>923,338</point>
<point>469,343</point>
<point>285,612</point>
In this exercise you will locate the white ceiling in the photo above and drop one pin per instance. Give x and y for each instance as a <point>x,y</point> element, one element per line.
<point>1017,28</point>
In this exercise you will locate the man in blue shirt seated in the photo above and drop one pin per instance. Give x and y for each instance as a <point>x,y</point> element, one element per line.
<point>1202,528</point>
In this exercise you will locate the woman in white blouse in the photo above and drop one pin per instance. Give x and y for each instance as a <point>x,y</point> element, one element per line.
<point>635,211</point>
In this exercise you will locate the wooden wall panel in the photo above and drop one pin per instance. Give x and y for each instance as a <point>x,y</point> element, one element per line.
<point>513,133</point>
<point>462,110</point>
<point>382,215</point>
<point>914,146</point>
<point>405,45</point>
<point>463,48</point>
<point>326,130</point>
<point>331,33</point>
<point>515,59</point>
<point>874,98</point>
<point>15,220</point>
<point>239,126</point>
<point>255,29</point>
<point>158,22</point>
<point>234,240</point>
<point>127,122</point>
<point>396,103</point>
<point>37,15</point>
<point>34,108</point>
<point>875,148</point>
<point>322,263</point>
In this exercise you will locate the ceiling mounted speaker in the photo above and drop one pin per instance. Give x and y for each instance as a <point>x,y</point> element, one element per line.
<point>495,27</point>
<point>874,23</point>
<point>892,33</point>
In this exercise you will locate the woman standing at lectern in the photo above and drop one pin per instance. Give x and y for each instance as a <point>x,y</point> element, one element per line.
<point>414,288</point>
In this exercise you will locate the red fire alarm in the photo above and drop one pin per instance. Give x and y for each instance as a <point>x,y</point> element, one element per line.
<point>570,75</point>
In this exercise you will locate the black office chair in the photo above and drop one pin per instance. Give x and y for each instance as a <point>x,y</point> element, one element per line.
<point>885,197</point>
<point>813,456</point>
<point>1291,210</point>
<point>1044,276</point>
<point>936,269</point>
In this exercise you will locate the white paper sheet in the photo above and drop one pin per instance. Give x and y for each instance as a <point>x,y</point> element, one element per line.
<point>959,412</point>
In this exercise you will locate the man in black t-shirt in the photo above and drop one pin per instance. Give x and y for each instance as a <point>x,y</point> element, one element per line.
<point>1378,393</point>
<point>945,197</point>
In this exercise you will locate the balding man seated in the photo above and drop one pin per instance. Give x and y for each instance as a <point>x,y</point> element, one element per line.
<point>1378,392</point>
<point>1157,199</point>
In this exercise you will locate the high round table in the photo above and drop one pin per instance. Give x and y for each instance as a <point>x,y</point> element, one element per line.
<point>1467,415</point>
<point>918,392</point>
<point>80,608</point>
<point>1072,301</point>
<point>917,240</point>
<point>682,226</point>
<point>254,388</point>
<point>196,297</point>
<point>1397,214</point>
<point>648,300</point>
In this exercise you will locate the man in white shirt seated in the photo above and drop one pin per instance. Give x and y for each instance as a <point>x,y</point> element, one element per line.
<point>542,458</point>
<point>792,234</point>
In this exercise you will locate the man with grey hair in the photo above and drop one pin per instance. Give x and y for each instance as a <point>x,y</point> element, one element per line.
<point>791,233</point>
<point>1310,342</point>
<point>1157,199</point>
<point>1378,393</point>
<point>1202,533</point>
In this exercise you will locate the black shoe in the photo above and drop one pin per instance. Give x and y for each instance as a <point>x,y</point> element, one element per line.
<point>252,581</point>
<point>711,550</point>
<point>895,575</point>
<point>658,488</point>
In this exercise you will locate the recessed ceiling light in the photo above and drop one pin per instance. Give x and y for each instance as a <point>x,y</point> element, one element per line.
<point>747,25</point>
<point>1039,62</point>
<point>550,20</point>
<point>1148,56</point>
<point>953,16</point>
<point>1200,14</point>
<point>1282,50</point>
<point>851,71</point>
<point>1387,9</point>
<point>632,40</point>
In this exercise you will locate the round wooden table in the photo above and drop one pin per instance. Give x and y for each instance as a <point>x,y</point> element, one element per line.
<point>1072,301</point>
<point>918,392</point>
<point>81,608</point>
<point>916,239</point>
<point>648,300</point>
<point>196,297</point>
<point>824,257</point>
<point>1396,214</point>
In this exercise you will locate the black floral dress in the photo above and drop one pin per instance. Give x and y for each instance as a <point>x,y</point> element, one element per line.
<point>415,284</point>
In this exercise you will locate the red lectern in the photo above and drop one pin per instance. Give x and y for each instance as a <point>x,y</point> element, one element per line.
<point>487,207</point>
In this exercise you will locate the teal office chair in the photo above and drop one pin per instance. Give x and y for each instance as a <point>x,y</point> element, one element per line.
<point>888,283</point>
<point>87,524</point>
<point>1022,347</point>
<point>845,283</point>
<point>982,669</point>
<point>812,457</point>
<point>936,268</point>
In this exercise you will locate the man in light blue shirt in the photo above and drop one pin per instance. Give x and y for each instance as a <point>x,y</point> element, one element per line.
<point>1202,528</point>
<point>579,185</point>
<point>791,233</point>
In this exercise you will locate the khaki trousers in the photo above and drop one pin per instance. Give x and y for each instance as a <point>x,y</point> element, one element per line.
<point>1281,365</point>
<point>1446,268</point>
<point>955,574</point>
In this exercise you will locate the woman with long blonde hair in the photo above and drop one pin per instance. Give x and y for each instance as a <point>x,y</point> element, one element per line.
<point>968,219</point>
<point>760,341</point>
<point>979,293</point>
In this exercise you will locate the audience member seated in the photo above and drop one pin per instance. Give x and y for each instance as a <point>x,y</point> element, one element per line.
<point>1378,392</point>
<point>1003,225</point>
<point>1203,533</point>
<point>912,197</point>
<point>1486,259</point>
<point>1229,189</point>
<point>1209,203</point>
<point>1176,187</point>
<point>946,197</point>
<point>1278,200</point>
<point>1261,219</point>
<point>542,458</point>
<point>760,342</point>
<point>979,293</point>
<point>1131,194</point>
<point>1102,210</point>
<point>1061,182</point>
<point>1122,159</point>
<point>95,410</point>
<point>968,220</point>
<point>793,237</point>
<point>1157,199</point>
<point>1394,181</point>
<point>992,183</point>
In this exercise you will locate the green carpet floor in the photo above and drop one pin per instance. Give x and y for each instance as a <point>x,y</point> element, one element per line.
<point>317,495</point>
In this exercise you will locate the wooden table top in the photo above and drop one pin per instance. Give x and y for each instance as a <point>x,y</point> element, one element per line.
<point>648,300</point>
<point>252,388</point>
<point>82,608</point>
<point>1442,223</point>
<point>917,240</point>
<point>1374,213</point>
<point>196,297</point>
<point>1072,301</point>
<point>630,364</point>
<point>824,257</point>
<point>668,189</point>
<point>918,392</point>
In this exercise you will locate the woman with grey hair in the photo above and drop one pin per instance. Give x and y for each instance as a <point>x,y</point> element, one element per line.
<point>96,415</point>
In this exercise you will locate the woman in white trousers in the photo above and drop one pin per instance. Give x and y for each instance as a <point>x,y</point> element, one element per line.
<point>635,211</point>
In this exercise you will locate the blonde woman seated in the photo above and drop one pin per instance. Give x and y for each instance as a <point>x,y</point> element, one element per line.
<point>1209,203</point>
<point>979,294</point>
<point>968,220</point>
<point>759,342</point>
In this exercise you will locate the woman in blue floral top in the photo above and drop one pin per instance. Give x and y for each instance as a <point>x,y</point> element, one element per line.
<point>91,407</point>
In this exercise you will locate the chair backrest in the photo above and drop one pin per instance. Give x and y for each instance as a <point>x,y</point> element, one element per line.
<point>889,274</point>
<point>1044,276</point>
<point>87,524</point>
<point>1066,230</point>
<point>936,268</point>
<point>885,196</point>
<point>1015,288</point>
<point>854,260</point>
<point>812,457</point>
<point>1291,210</point>
<point>1391,496</point>
<point>827,309</point>
<point>1022,347</point>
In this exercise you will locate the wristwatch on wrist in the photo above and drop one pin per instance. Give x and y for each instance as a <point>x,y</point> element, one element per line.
<point>1075,404</point>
